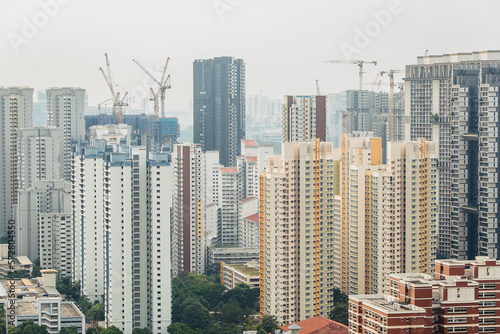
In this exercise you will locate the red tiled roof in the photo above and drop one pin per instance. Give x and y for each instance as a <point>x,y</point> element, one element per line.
<point>320,325</point>
<point>251,158</point>
<point>253,218</point>
<point>249,142</point>
<point>247,199</point>
<point>229,170</point>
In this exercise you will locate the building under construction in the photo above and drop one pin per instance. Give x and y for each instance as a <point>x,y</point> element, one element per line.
<point>158,134</point>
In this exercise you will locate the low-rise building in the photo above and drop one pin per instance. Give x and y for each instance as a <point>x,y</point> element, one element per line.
<point>231,275</point>
<point>462,297</point>
<point>20,262</point>
<point>38,300</point>
<point>316,325</point>
<point>234,255</point>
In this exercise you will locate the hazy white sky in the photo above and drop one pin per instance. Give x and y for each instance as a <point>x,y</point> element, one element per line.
<point>283,42</point>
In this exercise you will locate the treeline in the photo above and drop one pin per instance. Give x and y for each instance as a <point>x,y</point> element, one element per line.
<point>340,311</point>
<point>201,305</point>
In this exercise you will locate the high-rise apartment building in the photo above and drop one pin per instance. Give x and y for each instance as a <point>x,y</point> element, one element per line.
<point>248,229</point>
<point>462,297</point>
<point>219,106</point>
<point>387,222</point>
<point>39,155</point>
<point>38,160</point>
<point>122,223</point>
<point>303,118</point>
<point>296,231</point>
<point>251,163</point>
<point>44,223</point>
<point>88,209</point>
<point>230,194</point>
<point>451,99</point>
<point>16,110</point>
<point>360,110</point>
<point>65,110</point>
<point>195,191</point>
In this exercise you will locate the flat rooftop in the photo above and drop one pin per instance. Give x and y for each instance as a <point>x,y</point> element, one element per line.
<point>251,271</point>
<point>387,304</point>
<point>28,287</point>
<point>68,309</point>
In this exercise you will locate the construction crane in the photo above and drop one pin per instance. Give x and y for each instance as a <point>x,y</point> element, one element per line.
<point>390,74</point>
<point>154,98</point>
<point>163,84</point>
<point>360,64</point>
<point>118,103</point>
<point>317,87</point>
<point>100,104</point>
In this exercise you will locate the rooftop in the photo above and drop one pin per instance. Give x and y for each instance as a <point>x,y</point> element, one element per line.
<point>248,199</point>
<point>249,142</point>
<point>251,158</point>
<point>318,325</point>
<point>387,304</point>
<point>68,309</point>
<point>229,170</point>
<point>253,218</point>
<point>251,271</point>
<point>32,287</point>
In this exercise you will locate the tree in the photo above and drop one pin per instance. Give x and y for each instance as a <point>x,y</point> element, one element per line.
<point>84,304</point>
<point>231,312</point>
<point>269,323</point>
<point>96,312</point>
<point>3,327</point>
<point>339,297</point>
<point>28,327</point>
<point>195,315</point>
<point>66,286</point>
<point>112,330</point>
<point>180,329</point>
<point>94,330</point>
<point>69,330</point>
<point>141,331</point>
<point>36,271</point>
<point>340,313</point>
<point>249,324</point>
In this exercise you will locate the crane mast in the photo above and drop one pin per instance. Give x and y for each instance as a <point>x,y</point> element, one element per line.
<point>163,84</point>
<point>118,103</point>
<point>390,74</point>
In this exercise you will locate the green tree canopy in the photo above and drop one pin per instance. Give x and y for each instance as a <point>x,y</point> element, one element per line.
<point>68,287</point>
<point>141,331</point>
<point>269,323</point>
<point>340,313</point>
<point>180,329</point>
<point>96,312</point>
<point>194,314</point>
<point>112,330</point>
<point>69,330</point>
<point>84,304</point>
<point>28,327</point>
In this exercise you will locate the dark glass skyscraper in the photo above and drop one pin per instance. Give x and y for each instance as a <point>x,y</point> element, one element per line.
<point>219,106</point>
